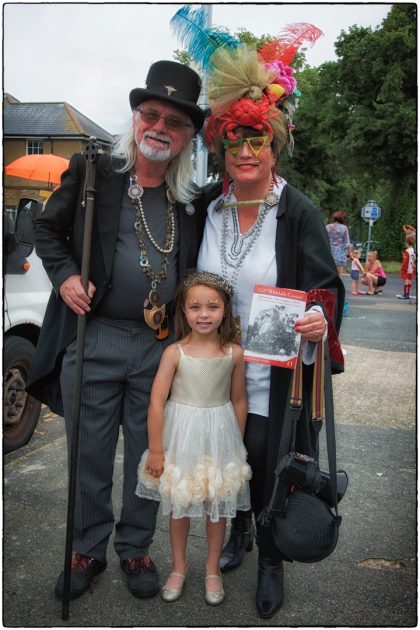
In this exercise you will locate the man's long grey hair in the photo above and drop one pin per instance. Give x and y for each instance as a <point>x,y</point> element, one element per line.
<point>179,174</point>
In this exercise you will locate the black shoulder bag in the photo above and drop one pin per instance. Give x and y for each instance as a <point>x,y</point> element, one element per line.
<point>302,511</point>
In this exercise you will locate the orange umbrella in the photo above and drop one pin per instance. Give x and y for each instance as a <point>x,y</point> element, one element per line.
<point>41,167</point>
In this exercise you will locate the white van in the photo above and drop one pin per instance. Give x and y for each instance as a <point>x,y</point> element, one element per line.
<point>26,290</point>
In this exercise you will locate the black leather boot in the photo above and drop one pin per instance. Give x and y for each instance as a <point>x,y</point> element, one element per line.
<point>241,539</point>
<point>270,589</point>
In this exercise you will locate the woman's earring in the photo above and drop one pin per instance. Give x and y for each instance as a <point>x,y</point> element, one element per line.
<point>225,188</point>
<point>274,174</point>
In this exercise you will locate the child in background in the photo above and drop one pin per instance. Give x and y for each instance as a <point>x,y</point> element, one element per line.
<point>408,267</point>
<point>196,461</point>
<point>356,268</point>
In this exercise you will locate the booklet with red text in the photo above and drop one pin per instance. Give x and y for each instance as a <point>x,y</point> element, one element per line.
<point>271,336</point>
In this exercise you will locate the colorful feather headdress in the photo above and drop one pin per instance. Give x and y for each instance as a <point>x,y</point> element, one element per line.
<point>246,87</point>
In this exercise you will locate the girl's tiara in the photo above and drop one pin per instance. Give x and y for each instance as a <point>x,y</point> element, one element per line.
<point>211,279</point>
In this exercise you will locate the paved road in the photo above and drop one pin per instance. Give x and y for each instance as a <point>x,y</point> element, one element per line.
<point>370,580</point>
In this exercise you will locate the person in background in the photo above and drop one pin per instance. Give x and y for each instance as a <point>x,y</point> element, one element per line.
<point>146,235</point>
<point>338,235</point>
<point>409,231</point>
<point>339,238</point>
<point>356,268</point>
<point>408,266</point>
<point>374,276</point>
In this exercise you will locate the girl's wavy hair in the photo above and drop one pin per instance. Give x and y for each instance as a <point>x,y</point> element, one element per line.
<point>227,330</point>
<point>179,174</point>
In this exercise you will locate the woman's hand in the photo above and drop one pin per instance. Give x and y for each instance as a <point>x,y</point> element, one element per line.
<point>312,326</point>
<point>154,463</point>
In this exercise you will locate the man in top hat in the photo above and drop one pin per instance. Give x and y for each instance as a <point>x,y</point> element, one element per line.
<point>146,231</point>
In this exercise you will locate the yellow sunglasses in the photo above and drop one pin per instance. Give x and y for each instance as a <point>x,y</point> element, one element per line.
<point>255,143</point>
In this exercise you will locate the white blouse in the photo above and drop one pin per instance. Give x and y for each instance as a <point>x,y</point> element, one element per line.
<point>258,267</point>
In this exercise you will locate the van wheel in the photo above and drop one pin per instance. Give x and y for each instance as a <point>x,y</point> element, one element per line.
<point>20,411</point>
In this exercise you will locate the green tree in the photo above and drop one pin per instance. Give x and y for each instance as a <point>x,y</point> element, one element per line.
<point>355,136</point>
<point>376,87</point>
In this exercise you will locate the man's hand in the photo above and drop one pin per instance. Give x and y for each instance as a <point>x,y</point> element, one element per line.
<point>76,298</point>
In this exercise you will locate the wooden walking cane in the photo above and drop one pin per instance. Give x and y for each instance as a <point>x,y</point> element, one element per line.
<point>91,153</point>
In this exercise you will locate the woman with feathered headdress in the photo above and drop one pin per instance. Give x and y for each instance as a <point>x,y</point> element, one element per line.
<point>261,230</point>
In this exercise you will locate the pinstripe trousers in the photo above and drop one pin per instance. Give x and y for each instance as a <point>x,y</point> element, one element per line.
<point>120,362</point>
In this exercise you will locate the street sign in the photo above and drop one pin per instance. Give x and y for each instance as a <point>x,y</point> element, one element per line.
<point>371,211</point>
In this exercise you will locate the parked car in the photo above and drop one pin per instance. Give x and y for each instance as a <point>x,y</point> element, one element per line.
<point>26,290</point>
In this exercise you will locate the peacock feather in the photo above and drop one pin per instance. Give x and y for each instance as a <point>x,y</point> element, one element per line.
<point>188,24</point>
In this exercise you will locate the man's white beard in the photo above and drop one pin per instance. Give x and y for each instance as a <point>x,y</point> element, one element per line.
<point>156,155</point>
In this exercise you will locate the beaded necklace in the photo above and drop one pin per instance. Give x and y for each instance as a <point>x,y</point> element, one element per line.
<point>242,243</point>
<point>155,316</point>
<point>135,193</point>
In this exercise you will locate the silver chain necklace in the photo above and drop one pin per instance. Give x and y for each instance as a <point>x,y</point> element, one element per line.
<point>238,252</point>
<point>155,316</point>
<point>135,193</point>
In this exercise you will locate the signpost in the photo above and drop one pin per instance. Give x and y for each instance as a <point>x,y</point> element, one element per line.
<point>371,212</point>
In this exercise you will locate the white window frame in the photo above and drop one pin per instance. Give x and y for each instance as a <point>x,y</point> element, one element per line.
<point>34,143</point>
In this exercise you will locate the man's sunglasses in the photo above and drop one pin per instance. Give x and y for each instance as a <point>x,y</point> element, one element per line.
<point>173,123</point>
<point>255,143</point>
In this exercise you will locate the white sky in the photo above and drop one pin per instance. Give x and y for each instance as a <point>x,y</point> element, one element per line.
<point>91,55</point>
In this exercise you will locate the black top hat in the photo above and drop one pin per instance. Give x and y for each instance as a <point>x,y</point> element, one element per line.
<point>175,83</point>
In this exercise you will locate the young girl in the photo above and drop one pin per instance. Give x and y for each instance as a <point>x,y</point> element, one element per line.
<point>374,276</point>
<point>408,266</point>
<point>356,268</point>
<point>196,461</point>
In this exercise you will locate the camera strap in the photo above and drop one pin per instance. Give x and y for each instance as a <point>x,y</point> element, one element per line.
<point>287,441</point>
<point>322,408</point>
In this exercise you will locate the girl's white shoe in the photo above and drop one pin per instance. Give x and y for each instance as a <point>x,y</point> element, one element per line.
<point>214,598</point>
<point>172,593</point>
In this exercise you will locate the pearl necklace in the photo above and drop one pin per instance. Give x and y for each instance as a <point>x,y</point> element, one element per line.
<point>236,256</point>
<point>135,193</point>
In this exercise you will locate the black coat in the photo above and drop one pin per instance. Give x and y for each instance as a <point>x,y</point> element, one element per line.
<point>59,239</point>
<point>304,262</point>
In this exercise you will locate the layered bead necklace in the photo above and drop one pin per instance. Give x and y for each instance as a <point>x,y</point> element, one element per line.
<point>235,256</point>
<point>155,315</point>
<point>135,193</point>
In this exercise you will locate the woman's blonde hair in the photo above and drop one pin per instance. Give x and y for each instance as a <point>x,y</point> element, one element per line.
<point>227,330</point>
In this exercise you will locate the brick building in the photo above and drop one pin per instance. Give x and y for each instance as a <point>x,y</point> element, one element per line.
<point>30,128</point>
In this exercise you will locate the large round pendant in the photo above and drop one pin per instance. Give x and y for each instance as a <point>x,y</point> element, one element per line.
<point>135,191</point>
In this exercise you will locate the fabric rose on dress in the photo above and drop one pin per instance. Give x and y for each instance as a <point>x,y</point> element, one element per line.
<point>215,481</point>
<point>200,472</point>
<point>181,494</point>
<point>246,473</point>
<point>171,475</point>
<point>231,478</point>
<point>198,491</point>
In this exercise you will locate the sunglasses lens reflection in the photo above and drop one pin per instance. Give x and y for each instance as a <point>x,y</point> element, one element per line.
<point>255,143</point>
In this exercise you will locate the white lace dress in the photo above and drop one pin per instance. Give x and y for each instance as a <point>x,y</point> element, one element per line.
<point>205,470</point>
